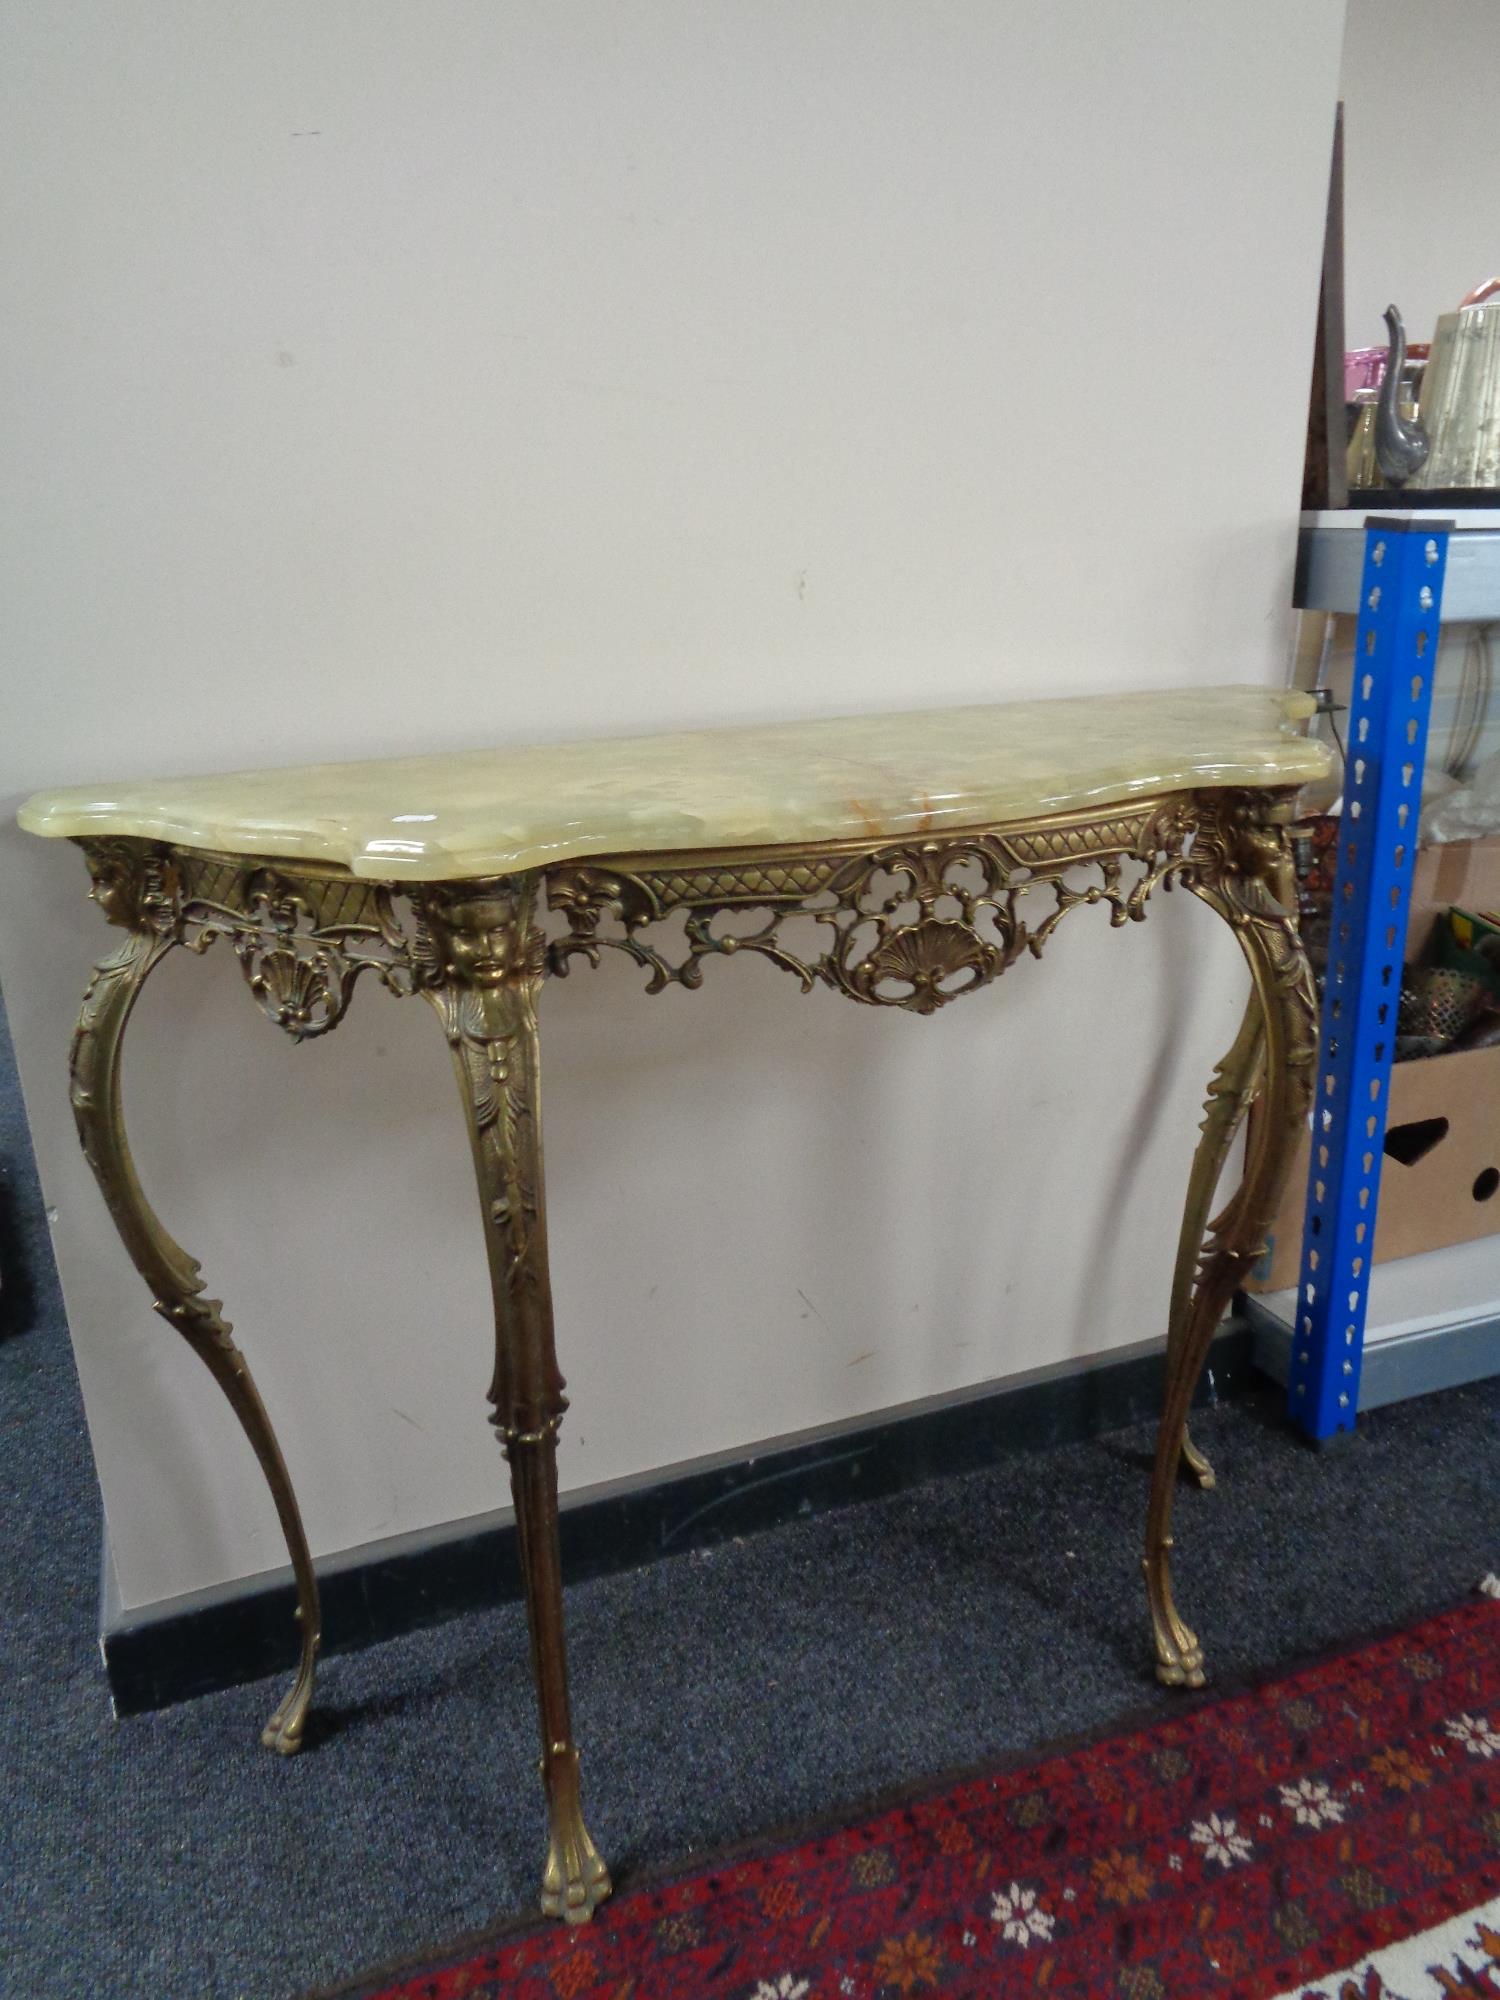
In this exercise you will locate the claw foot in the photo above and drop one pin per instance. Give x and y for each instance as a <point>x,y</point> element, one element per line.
<point>575,1881</point>
<point>283,1733</point>
<point>1196,1466</point>
<point>1179,1657</point>
<point>1181,1665</point>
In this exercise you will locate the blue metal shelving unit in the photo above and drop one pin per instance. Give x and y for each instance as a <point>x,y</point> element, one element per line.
<point>1434,1320</point>
<point>1400,604</point>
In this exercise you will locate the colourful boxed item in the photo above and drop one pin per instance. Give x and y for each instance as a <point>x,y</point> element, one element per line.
<point>1469,941</point>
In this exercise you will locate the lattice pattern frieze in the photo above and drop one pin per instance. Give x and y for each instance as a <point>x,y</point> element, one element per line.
<point>1078,843</point>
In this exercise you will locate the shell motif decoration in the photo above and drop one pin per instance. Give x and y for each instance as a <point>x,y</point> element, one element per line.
<point>305,994</point>
<point>922,966</point>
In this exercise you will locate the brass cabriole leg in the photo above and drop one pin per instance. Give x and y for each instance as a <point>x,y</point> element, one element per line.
<point>1242,869</point>
<point>175,1280</point>
<point>490,957</point>
<point>1230,1095</point>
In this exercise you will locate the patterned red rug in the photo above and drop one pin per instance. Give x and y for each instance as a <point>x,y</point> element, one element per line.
<point>1335,1835</point>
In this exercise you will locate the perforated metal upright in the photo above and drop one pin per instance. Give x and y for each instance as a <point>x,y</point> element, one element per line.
<point>1396,647</point>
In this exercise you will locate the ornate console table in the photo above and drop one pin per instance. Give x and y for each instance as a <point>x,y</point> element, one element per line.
<point>901,860</point>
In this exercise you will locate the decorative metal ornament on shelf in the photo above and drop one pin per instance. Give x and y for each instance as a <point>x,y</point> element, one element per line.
<point>909,923</point>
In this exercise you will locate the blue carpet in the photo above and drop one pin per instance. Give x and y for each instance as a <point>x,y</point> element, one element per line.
<point>781,1678</point>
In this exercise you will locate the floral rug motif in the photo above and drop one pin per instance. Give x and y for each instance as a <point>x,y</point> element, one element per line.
<point>1332,1836</point>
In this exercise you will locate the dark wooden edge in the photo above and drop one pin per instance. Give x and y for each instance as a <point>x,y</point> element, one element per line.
<point>1325,469</point>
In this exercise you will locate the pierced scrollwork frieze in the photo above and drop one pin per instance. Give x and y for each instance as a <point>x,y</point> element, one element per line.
<point>302,939</point>
<point>908,924</point>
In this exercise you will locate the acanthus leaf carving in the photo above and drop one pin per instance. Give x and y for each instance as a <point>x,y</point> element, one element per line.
<point>490,959</point>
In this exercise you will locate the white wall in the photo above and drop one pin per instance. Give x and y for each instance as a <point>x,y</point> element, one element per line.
<point>399,376</point>
<point>1421,160</point>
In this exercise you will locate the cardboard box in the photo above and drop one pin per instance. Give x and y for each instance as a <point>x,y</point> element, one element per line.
<point>1440,1179</point>
<point>1466,872</point>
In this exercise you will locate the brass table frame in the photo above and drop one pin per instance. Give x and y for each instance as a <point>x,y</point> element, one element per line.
<point>906,922</point>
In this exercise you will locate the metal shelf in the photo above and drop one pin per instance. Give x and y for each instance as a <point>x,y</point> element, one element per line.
<point>1433,1323</point>
<point>1331,554</point>
<point>1352,1336</point>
